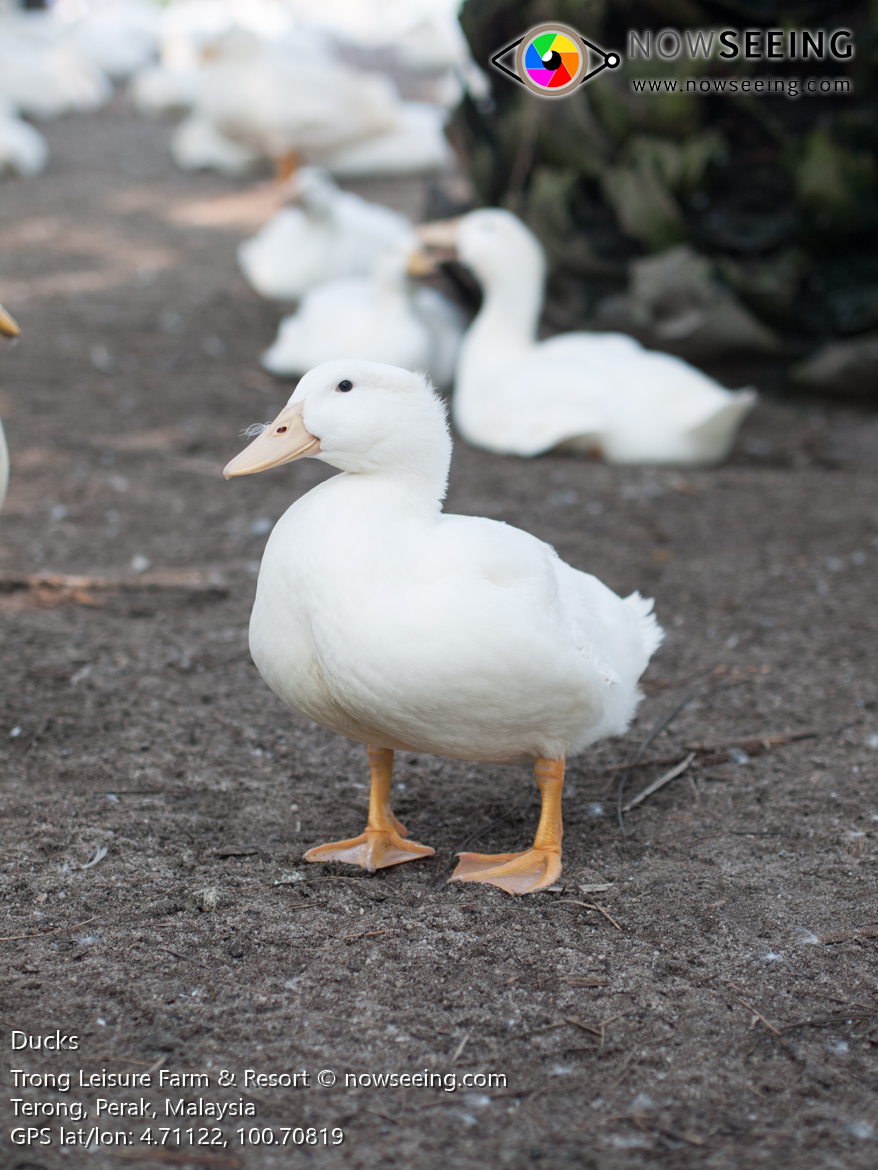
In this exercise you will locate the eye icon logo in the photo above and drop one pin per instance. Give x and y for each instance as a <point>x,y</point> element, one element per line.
<point>553,60</point>
<point>550,60</point>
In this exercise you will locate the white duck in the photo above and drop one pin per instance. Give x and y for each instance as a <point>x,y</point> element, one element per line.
<point>379,318</point>
<point>287,98</point>
<point>389,622</point>
<point>41,72</point>
<point>23,150</point>
<point>8,328</point>
<point>596,391</point>
<point>326,233</point>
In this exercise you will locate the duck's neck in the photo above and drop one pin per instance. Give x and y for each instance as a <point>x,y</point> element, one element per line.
<point>415,482</point>
<point>513,302</point>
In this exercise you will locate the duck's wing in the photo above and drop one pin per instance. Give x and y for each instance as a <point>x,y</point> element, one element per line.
<point>582,630</point>
<point>617,635</point>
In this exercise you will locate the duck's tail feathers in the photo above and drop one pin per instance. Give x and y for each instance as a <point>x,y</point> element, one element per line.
<point>651,632</point>
<point>713,438</point>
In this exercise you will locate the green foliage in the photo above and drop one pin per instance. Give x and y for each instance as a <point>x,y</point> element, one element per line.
<point>781,195</point>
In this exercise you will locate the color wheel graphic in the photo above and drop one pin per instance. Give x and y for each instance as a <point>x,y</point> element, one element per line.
<point>552,60</point>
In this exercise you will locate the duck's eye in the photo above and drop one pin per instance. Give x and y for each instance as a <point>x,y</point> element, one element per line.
<point>345,386</point>
<point>280,430</point>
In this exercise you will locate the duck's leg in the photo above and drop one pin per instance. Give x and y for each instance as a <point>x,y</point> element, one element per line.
<point>285,165</point>
<point>540,866</point>
<point>384,841</point>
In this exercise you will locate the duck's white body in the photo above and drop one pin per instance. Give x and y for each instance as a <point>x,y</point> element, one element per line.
<point>288,94</point>
<point>598,391</point>
<point>389,622</point>
<point>42,72</point>
<point>197,145</point>
<point>327,234</point>
<point>118,36</point>
<point>23,150</point>
<point>378,318</point>
<point>414,144</point>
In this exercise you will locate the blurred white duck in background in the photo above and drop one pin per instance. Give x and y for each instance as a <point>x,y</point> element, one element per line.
<point>290,99</point>
<point>379,318</point>
<point>424,37</point>
<point>600,392</point>
<point>8,328</point>
<point>324,234</point>
<point>23,150</point>
<point>385,620</point>
<point>286,98</point>
<point>42,72</point>
<point>118,36</point>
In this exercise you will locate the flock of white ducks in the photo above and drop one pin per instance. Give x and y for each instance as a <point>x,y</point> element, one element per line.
<point>602,393</point>
<point>257,79</point>
<point>392,623</point>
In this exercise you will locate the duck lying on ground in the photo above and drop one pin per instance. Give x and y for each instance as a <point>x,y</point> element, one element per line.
<point>599,392</point>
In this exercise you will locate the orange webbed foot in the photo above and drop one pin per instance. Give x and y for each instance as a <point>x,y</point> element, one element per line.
<point>515,873</point>
<point>374,849</point>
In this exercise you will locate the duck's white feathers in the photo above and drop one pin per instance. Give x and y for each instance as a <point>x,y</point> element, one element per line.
<point>378,318</point>
<point>332,234</point>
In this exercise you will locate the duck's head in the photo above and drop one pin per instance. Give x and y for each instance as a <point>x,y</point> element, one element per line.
<point>358,416</point>
<point>493,243</point>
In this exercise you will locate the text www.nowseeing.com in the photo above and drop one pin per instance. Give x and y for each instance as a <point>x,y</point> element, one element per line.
<point>792,87</point>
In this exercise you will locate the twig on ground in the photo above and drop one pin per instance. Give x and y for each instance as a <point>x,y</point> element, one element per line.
<point>666,778</point>
<point>629,1065</point>
<point>384,1116</point>
<point>176,954</point>
<point>776,1032</point>
<point>855,932</point>
<point>50,930</point>
<point>759,1016</point>
<point>657,730</point>
<point>829,1021</point>
<point>698,800</point>
<point>588,906</point>
<point>458,1052</point>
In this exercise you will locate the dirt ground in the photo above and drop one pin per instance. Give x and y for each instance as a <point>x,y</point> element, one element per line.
<point>715,1006</point>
